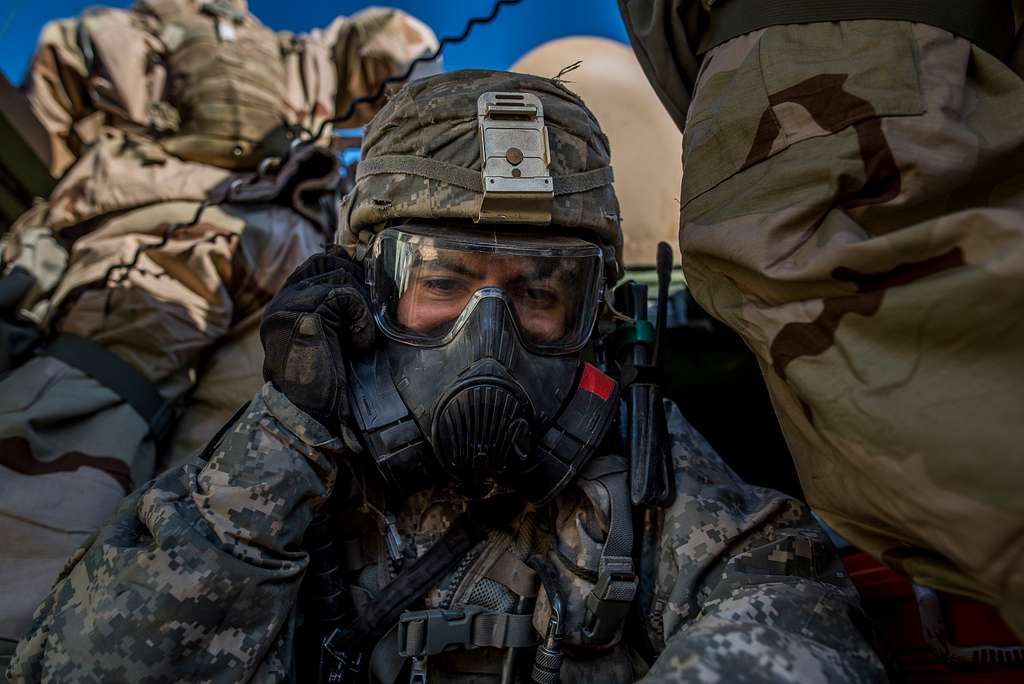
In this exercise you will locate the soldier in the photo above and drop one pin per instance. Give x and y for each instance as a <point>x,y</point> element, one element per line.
<point>852,206</point>
<point>446,425</point>
<point>162,107</point>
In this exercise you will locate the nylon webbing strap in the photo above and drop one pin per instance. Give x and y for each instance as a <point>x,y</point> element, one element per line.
<point>583,181</point>
<point>470,180</point>
<point>428,632</point>
<point>609,600</point>
<point>420,166</point>
<point>416,579</point>
<point>989,24</point>
<point>612,473</point>
<point>519,577</point>
<point>117,375</point>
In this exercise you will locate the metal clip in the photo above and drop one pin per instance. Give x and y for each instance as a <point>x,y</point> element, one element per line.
<point>338,665</point>
<point>547,664</point>
<point>418,672</point>
<point>392,539</point>
<point>514,157</point>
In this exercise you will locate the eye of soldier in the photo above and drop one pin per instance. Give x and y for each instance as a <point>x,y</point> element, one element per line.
<point>437,291</point>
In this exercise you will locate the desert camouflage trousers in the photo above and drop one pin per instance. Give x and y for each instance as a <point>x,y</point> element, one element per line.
<point>187,316</point>
<point>853,205</point>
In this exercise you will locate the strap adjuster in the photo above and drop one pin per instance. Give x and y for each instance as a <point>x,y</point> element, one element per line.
<point>610,599</point>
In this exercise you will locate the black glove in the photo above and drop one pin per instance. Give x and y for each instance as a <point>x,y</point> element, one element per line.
<point>320,316</point>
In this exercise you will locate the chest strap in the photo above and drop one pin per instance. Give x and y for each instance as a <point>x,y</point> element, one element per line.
<point>989,24</point>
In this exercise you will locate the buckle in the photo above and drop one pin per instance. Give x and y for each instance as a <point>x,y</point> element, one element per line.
<point>938,637</point>
<point>609,600</point>
<point>514,157</point>
<point>428,632</point>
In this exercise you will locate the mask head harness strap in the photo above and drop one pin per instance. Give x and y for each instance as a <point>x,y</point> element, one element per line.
<point>609,601</point>
<point>573,437</point>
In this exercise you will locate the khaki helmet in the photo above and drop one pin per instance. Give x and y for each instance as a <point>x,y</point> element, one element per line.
<point>547,161</point>
<point>645,143</point>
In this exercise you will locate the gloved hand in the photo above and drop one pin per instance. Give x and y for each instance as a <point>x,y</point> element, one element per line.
<point>320,315</point>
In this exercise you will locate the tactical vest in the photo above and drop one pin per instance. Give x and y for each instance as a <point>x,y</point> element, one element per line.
<point>225,85</point>
<point>489,619</point>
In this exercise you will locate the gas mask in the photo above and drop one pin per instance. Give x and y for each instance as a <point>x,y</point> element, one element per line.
<point>479,380</point>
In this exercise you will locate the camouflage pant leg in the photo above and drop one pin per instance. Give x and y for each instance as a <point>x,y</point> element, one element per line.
<point>853,205</point>
<point>67,449</point>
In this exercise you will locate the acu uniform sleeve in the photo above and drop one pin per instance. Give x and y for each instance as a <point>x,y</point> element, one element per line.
<point>195,576</point>
<point>748,588</point>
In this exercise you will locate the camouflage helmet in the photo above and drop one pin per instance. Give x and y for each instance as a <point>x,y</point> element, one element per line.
<point>421,159</point>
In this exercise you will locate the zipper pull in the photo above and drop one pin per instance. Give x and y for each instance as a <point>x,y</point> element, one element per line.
<point>392,540</point>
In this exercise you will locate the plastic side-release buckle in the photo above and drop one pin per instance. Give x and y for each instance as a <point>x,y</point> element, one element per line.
<point>428,632</point>
<point>514,157</point>
<point>610,599</point>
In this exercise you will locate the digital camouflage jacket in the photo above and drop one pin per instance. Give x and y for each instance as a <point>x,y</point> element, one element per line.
<point>197,576</point>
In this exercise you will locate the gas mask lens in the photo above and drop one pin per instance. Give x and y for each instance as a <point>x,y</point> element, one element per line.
<point>426,281</point>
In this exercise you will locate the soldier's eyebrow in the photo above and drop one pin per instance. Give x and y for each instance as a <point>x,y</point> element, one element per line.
<point>454,264</point>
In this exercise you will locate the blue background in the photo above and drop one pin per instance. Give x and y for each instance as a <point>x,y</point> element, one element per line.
<point>517,29</point>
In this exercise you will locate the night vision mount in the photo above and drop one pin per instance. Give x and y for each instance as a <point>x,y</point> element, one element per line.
<point>515,158</point>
